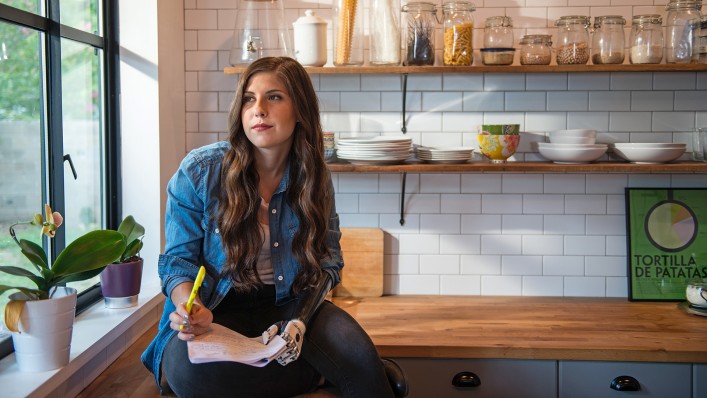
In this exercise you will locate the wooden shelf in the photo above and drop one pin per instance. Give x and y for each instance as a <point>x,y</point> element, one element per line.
<point>530,167</point>
<point>498,69</point>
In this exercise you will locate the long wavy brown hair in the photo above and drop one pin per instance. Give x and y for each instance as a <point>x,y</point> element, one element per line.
<point>308,194</point>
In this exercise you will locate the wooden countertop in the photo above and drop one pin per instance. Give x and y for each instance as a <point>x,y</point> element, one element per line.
<point>568,328</point>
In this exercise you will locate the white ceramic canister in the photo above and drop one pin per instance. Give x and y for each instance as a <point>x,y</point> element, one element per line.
<point>310,39</point>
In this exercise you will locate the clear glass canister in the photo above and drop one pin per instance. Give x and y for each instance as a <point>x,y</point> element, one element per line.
<point>384,32</point>
<point>498,32</point>
<point>682,26</point>
<point>348,33</point>
<point>646,39</point>
<point>255,37</point>
<point>536,50</point>
<point>420,22</point>
<point>572,39</point>
<point>702,41</point>
<point>458,28</point>
<point>608,40</point>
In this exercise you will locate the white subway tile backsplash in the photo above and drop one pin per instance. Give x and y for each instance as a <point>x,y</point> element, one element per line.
<point>379,203</point>
<point>346,202</point>
<point>616,245</point>
<point>424,82</point>
<point>629,121</point>
<point>357,183</point>
<point>606,183</point>
<point>651,101</point>
<point>673,121</point>
<point>515,224</point>
<point>606,225</point>
<point>417,284</point>
<point>585,245</point>
<point>631,81</point>
<point>615,204</point>
<point>688,180</point>
<point>560,224</point>
<point>483,101</point>
<point>542,245</point>
<point>465,122</point>
<point>459,244</point>
<point>674,81</point>
<point>481,265</point>
<point>545,121</point>
<point>563,265</point>
<point>401,264</point>
<point>567,101</point>
<point>341,122</point>
<point>380,122</point>
<point>461,203</point>
<point>616,287</point>
<point>605,266</point>
<point>588,120</point>
<point>443,101</point>
<point>481,183</point>
<point>469,285</point>
<point>462,81</point>
<point>501,244</point>
<point>545,81</point>
<point>392,101</point>
<point>196,140</point>
<point>390,223</point>
<point>339,82</point>
<point>648,180</point>
<point>543,286</point>
<point>216,81</point>
<point>504,82</point>
<point>360,101</point>
<point>563,183</point>
<point>609,100</point>
<point>200,60</point>
<point>200,19</point>
<point>359,220</point>
<point>588,81</point>
<point>422,121</point>
<point>392,183</point>
<point>201,101</point>
<point>521,265</point>
<point>585,286</point>
<point>422,203</point>
<point>522,183</point>
<point>481,224</point>
<point>439,223</point>
<point>212,122</point>
<point>442,183</point>
<point>386,82</point>
<point>501,285</point>
<point>439,264</point>
<point>502,204</point>
<point>585,204</point>
<point>543,204</point>
<point>525,101</point>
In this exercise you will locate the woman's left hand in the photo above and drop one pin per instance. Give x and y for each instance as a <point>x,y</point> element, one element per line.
<point>190,325</point>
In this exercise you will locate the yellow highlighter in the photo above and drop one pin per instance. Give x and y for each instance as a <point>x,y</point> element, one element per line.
<point>195,290</point>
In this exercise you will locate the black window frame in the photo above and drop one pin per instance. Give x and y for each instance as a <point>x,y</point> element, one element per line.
<point>53,172</point>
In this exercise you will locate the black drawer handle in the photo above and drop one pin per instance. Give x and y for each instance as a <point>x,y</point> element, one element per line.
<point>466,379</point>
<point>625,383</point>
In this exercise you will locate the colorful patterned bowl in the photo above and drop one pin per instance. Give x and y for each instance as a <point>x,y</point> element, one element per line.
<point>498,142</point>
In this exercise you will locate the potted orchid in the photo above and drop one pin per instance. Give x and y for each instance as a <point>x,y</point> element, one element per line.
<point>41,317</point>
<point>121,280</point>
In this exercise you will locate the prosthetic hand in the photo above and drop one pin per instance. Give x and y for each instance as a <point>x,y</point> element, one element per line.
<point>293,331</point>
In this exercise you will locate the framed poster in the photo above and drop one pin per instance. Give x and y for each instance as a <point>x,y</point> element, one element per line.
<point>666,241</point>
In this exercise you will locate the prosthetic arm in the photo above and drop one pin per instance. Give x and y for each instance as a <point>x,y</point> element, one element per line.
<point>293,331</point>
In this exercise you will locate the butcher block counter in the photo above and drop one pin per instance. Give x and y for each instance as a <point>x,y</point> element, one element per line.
<point>556,328</point>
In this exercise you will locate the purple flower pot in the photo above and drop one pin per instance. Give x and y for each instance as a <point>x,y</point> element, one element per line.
<point>120,284</point>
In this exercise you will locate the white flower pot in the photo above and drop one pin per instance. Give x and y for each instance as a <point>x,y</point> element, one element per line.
<point>44,340</point>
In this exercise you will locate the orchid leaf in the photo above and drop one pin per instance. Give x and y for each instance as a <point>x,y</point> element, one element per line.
<point>132,250</point>
<point>34,253</point>
<point>35,294</point>
<point>130,229</point>
<point>93,250</point>
<point>17,271</point>
<point>80,276</point>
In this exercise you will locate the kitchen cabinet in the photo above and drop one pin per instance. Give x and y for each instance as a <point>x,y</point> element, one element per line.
<point>598,379</point>
<point>699,380</point>
<point>493,378</point>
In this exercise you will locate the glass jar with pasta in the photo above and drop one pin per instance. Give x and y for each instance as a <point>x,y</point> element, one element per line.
<point>458,33</point>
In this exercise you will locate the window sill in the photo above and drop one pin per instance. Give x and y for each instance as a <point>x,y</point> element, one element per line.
<point>100,336</point>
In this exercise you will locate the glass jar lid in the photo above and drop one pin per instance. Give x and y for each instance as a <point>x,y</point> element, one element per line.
<point>499,22</point>
<point>647,18</point>
<point>536,39</point>
<point>573,20</point>
<point>609,20</point>
<point>451,6</point>
<point>423,6</point>
<point>684,4</point>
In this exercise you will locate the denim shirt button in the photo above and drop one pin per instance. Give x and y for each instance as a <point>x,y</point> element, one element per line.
<point>276,244</point>
<point>279,278</point>
<point>274,211</point>
<point>216,230</point>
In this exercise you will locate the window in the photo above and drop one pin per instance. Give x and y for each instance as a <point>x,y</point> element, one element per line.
<point>58,125</point>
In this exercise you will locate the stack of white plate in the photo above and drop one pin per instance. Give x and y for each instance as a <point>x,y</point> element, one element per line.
<point>449,155</point>
<point>571,153</point>
<point>643,152</point>
<point>374,150</point>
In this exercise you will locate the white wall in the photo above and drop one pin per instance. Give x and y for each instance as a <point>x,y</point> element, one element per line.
<point>479,234</point>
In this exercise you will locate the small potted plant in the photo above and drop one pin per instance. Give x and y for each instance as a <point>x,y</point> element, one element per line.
<point>41,318</point>
<point>120,281</point>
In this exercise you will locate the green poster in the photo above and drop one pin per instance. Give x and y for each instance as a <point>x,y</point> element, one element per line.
<point>667,241</point>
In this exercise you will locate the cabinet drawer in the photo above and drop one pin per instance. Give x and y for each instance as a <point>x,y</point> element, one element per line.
<point>429,377</point>
<point>699,378</point>
<point>592,379</point>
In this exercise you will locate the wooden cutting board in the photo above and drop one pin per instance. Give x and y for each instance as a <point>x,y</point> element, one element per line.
<point>362,275</point>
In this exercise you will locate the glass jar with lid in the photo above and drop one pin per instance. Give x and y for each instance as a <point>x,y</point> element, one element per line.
<point>572,39</point>
<point>682,26</point>
<point>498,32</point>
<point>384,32</point>
<point>536,50</point>
<point>348,33</point>
<point>608,39</point>
<point>702,40</point>
<point>420,22</point>
<point>458,25</point>
<point>646,39</point>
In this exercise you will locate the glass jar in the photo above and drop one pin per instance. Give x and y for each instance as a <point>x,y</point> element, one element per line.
<point>608,40</point>
<point>420,22</point>
<point>702,40</point>
<point>384,32</point>
<point>572,39</point>
<point>255,37</point>
<point>646,39</point>
<point>348,33</point>
<point>458,25</point>
<point>536,50</point>
<point>682,28</point>
<point>498,32</point>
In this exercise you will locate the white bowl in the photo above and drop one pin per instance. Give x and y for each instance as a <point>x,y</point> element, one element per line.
<point>649,152</point>
<point>571,153</point>
<point>570,139</point>
<point>575,133</point>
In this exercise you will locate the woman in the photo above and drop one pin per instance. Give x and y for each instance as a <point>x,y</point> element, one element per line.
<point>258,212</point>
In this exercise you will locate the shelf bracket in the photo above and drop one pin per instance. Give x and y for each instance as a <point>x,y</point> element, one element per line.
<point>404,128</point>
<point>402,199</point>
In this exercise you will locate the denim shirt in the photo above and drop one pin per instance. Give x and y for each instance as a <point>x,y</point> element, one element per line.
<point>193,239</point>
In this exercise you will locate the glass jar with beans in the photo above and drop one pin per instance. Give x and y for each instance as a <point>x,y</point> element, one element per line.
<point>572,39</point>
<point>536,50</point>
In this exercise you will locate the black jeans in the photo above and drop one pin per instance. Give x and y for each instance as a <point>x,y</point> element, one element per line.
<point>335,346</point>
